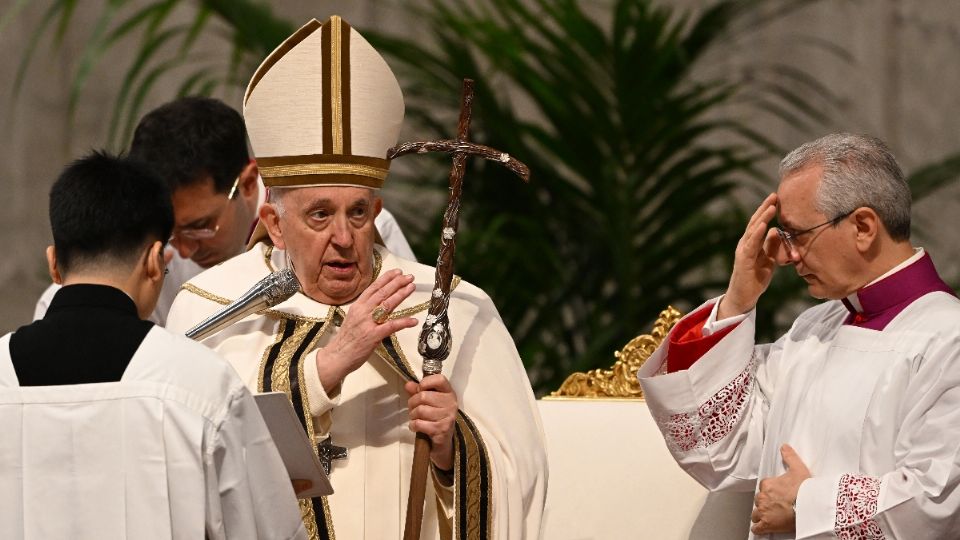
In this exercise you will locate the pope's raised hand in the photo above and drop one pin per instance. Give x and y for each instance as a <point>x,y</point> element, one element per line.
<point>754,262</point>
<point>362,330</point>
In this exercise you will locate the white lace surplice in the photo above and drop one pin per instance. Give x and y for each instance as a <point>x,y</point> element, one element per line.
<point>874,415</point>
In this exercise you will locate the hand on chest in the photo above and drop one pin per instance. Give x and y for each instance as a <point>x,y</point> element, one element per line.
<point>830,395</point>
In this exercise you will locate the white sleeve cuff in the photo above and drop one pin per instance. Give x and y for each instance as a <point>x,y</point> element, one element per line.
<point>320,402</point>
<point>816,507</point>
<point>444,493</point>
<point>713,325</point>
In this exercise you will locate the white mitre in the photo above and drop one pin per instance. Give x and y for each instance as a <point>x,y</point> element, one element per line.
<point>323,109</point>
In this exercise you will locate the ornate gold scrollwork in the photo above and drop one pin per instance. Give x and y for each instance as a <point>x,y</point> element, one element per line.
<point>620,381</point>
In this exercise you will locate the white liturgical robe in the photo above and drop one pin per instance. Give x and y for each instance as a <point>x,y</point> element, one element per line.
<point>868,395</point>
<point>500,469</point>
<point>177,447</point>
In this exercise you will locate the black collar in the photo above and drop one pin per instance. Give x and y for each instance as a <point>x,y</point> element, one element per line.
<point>85,295</point>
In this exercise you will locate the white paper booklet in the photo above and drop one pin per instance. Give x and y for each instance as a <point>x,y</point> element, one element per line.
<point>296,450</point>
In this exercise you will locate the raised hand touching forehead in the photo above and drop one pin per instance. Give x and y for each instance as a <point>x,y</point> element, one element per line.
<point>754,262</point>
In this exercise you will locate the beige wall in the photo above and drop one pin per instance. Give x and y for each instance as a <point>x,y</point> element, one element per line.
<point>900,85</point>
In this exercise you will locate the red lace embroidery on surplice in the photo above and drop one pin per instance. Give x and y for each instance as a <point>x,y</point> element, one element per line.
<point>856,506</point>
<point>713,420</point>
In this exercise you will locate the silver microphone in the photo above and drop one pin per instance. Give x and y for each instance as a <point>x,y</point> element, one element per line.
<point>268,292</point>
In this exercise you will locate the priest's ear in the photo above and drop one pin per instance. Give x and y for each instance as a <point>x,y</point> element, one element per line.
<point>146,278</point>
<point>155,264</point>
<point>247,181</point>
<point>248,185</point>
<point>869,227</point>
<point>52,265</point>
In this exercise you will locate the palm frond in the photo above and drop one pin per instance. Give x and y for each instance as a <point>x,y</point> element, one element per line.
<point>928,179</point>
<point>631,206</point>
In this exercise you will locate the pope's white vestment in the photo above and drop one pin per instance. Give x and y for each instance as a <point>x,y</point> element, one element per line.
<point>177,447</point>
<point>875,416</point>
<point>501,468</point>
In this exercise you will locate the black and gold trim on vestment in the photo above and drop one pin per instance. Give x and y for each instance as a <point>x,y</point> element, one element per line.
<point>281,370</point>
<point>473,478</point>
<point>473,486</point>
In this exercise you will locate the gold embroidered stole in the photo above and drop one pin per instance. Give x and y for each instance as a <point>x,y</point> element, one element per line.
<point>281,370</point>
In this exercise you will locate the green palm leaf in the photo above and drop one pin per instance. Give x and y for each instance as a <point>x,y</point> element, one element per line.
<point>631,204</point>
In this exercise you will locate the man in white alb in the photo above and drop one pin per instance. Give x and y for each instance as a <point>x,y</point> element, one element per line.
<point>848,426</point>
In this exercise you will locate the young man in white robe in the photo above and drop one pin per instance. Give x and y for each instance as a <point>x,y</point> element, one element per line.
<point>113,427</point>
<point>848,426</point>
<point>322,110</point>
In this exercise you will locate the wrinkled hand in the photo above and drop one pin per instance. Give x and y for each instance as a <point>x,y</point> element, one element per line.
<point>773,506</point>
<point>754,262</point>
<point>359,335</point>
<point>433,412</point>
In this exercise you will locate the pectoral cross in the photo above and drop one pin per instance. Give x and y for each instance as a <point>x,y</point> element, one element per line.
<point>329,452</point>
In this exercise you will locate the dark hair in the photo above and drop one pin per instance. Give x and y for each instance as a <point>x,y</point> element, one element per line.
<point>190,138</point>
<point>107,209</point>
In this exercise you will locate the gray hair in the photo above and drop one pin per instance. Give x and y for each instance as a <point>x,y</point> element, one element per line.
<point>275,198</point>
<point>858,170</point>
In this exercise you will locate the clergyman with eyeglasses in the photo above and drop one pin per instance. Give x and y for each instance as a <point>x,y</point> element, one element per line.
<point>198,146</point>
<point>848,425</point>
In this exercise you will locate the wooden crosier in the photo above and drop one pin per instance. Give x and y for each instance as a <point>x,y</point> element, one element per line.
<point>434,344</point>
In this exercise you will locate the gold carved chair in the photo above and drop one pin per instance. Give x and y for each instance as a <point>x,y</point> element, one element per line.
<point>611,475</point>
<point>620,381</point>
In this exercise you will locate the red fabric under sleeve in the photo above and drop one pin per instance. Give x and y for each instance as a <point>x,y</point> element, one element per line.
<point>687,343</point>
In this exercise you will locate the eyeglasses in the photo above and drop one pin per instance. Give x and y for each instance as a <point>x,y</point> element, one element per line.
<point>206,233</point>
<point>789,239</point>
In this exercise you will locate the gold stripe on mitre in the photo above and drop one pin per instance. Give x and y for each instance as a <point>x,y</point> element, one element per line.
<point>336,72</point>
<point>323,169</point>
